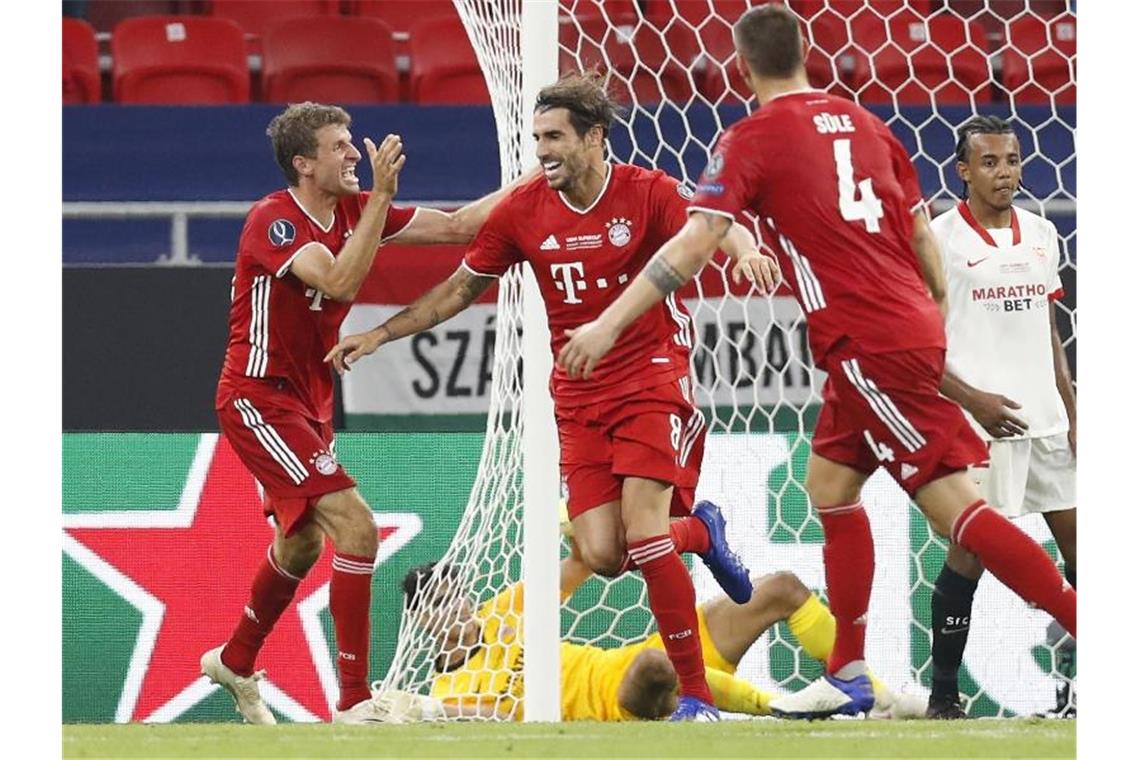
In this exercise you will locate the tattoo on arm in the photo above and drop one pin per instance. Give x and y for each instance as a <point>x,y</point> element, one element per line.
<point>663,276</point>
<point>469,286</point>
<point>718,225</point>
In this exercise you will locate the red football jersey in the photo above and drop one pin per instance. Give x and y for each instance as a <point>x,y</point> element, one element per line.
<point>584,260</point>
<point>280,328</point>
<point>837,193</point>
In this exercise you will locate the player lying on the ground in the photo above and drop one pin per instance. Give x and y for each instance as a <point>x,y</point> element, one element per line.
<point>479,668</point>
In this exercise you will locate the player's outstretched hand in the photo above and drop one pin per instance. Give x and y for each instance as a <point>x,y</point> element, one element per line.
<point>351,348</point>
<point>757,268</point>
<point>993,412</point>
<point>586,347</point>
<point>387,161</point>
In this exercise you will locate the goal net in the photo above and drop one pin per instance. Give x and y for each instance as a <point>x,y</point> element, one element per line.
<point>924,67</point>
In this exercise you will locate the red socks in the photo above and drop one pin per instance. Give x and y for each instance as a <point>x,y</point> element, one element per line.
<point>350,601</point>
<point>849,566</point>
<point>1016,560</point>
<point>673,603</point>
<point>688,534</point>
<point>272,590</point>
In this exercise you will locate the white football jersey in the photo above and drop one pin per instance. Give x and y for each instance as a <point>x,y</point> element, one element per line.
<point>999,283</point>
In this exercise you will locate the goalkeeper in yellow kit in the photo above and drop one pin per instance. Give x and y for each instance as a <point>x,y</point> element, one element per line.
<point>478,673</point>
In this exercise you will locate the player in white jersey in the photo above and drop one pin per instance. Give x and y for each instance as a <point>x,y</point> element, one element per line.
<point>1006,366</point>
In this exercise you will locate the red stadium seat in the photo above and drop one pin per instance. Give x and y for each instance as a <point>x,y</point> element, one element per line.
<point>705,28</point>
<point>444,67</point>
<point>256,16</point>
<point>105,15</point>
<point>617,12</point>
<point>1040,61</point>
<point>330,59</point>
<point>847,8</point>
<point>179,59</point>
<point>641,64</point>
<point>80,63</point>
<point>917,60</point>
<point>402,15</point>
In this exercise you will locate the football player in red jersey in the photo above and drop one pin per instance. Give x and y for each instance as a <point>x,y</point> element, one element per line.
<point>631,438</point>
<point>303,254</point>
<point>840,200</point>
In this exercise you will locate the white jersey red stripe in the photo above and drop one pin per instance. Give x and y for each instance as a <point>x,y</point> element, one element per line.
<point>999,284</point>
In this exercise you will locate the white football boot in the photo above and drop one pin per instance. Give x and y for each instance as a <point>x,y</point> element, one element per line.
<point>247,697</point>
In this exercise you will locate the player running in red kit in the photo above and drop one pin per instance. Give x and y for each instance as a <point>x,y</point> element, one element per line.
<point>840,200</point>
<point>632,438</point>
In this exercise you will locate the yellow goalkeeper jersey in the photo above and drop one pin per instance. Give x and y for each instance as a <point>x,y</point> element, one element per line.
<point>590,679</point>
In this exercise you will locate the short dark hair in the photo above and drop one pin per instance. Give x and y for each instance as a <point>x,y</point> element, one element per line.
<point>417,580</point>
<point>769,39</point>
<point>293,132</point>
<point>652,684</point>
<point>980,125</point>
<point>583,94</point>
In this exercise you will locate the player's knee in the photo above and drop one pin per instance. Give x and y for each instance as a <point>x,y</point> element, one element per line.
<point>783,589</point>
<point>963,562</point>
<point>826,492</point>
<point>348,520</point>
<point>649,689</point>
<point>607,561</point>
<point>300,551</point>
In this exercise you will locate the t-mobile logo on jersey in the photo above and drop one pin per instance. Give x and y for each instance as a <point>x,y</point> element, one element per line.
<point>565,280</point>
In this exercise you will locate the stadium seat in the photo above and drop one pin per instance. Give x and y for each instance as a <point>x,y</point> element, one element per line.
<point>80,63</point>
<point>641,65</point>
<point>917,60</point>
<point>330,59</point>
<point>256,16</point>
<point>1040,60</point>
<point>179,60</point>
<point>105,15</point>
<point>616,12</point>
<point>444,67</point>
<point>402,15</point>
<point>808,9</point>
<point>689,26</point>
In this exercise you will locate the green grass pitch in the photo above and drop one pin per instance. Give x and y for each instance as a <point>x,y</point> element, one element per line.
<point>752,738</point>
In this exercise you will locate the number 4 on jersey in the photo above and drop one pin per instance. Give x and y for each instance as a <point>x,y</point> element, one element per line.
<point>867,208</point>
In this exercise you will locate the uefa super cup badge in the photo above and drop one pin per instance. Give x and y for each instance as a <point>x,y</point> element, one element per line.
<point>618,230</point>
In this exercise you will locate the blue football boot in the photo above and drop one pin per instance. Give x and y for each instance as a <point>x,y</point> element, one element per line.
<point>720,559</point>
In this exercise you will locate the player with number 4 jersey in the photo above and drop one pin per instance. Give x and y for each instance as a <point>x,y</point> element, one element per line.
<point>839,199</point>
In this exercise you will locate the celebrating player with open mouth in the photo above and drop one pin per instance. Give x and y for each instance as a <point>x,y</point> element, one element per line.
<point>839,195</point>
<point>303,255</point>
<point>631,438</point>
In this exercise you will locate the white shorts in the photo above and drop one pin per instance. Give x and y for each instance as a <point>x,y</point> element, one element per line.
<point>1029,475</point>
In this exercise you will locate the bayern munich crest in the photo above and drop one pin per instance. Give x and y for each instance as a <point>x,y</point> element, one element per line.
<point>618,230</point>
<point>324,462</point>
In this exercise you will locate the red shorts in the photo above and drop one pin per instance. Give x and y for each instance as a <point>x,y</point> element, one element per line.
<point>293,457</point>
<point>657,433</point>
<point>885,410</point>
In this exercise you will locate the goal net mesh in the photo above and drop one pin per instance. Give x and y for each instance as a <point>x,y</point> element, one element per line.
<point>924,67</point>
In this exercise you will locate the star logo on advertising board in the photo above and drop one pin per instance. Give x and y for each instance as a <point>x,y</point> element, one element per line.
<point>188,572</point>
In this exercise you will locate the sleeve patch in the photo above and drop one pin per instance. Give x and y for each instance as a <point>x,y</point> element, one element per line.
<point>685,191</point>
<point>715,167</point>
<point>281,233</point>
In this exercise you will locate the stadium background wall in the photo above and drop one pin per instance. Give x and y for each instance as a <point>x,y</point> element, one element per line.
<point>152,576</point>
